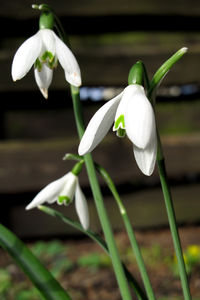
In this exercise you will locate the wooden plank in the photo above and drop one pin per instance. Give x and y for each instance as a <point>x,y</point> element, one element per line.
<point>29,166</point>
<point>106,59</point>
<point>20,9</point>
<point>38,141</point>
<point>146,209</point>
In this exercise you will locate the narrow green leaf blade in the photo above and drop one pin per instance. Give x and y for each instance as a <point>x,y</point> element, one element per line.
<point>54,213</point>
<point>38,274</point>
<point>162,71</point>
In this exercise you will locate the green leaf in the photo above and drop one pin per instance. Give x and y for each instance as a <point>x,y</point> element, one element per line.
<point>162,71</point>
<point>38,274</point>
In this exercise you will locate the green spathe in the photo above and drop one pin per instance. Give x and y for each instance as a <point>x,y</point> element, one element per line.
<point>46,20</point>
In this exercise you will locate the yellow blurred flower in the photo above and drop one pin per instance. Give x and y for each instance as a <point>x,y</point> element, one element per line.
<point>193,251</point>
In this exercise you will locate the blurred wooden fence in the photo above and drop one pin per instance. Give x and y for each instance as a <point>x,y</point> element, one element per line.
<point>107,37</point>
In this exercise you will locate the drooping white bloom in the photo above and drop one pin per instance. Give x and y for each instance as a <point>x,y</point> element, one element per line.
<point>62,191</point>
<point>133,115</point>
<point>43,50</point>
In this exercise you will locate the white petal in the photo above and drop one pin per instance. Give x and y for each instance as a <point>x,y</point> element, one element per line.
<point>48,41</point>
<point>49,193</point>
<point>68,62</point>
<point>81,207</point>
<point>43,79</point>
<point>26,56</point>
<point>139,116</point>
<point>121,107</point>
<point>146,158</point>
<point>99,126</point>
<point>73,78</point>
<point>70,186</point>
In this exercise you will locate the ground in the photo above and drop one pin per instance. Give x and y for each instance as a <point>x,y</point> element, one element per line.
<point>85,271</point>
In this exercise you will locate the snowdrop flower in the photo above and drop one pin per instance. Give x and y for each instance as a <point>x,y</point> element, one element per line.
<point>133,115</point>
<point>43,50</point>
<point>63,191</point>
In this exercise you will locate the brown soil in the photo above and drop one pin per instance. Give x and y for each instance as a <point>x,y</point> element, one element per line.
<point>89,283</point>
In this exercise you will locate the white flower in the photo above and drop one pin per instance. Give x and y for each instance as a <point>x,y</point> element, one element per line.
<point>133,115</point>
<point>63,191</point>
<point>43,50</point>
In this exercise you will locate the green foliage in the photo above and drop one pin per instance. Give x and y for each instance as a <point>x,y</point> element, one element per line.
<point>191,257</point>
<point>175,298</point>
<point>29,294</point>
<point>48,249</point>
<point>95,260</point>
<point>16,290</point>
<point>55,254</point>
<point>5,281</point>
<point>178,118</point>
<point>153,256</point>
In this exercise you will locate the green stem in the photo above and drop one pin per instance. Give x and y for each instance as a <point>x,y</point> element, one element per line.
<point>172,221</point>
<point>54,213</point>
<point>105,223</point>
<point>157,78</point>
<point>130,232</point>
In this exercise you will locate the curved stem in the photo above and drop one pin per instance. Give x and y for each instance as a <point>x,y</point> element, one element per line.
<point>105,223</point>
<point>172,221</point>
<point>130,232</point>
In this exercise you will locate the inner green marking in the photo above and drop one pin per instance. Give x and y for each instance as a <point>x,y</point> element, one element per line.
<point>121,132</point>
<point>64,200</point>
<point>53,63</point>
<point>47,56</point>
<point>119,123</point>
<point>38,64</point>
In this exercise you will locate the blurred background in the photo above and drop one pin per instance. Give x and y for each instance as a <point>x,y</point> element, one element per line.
<point>107,37</point>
